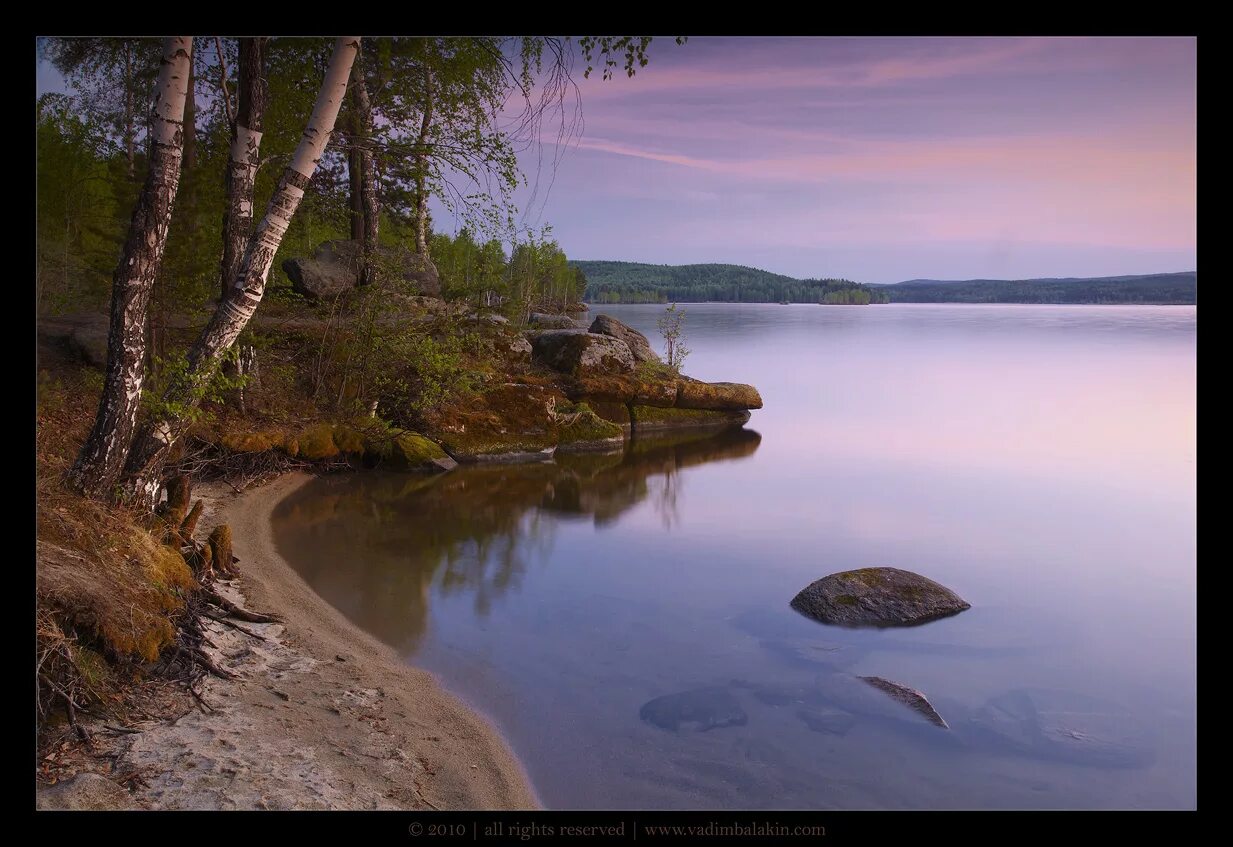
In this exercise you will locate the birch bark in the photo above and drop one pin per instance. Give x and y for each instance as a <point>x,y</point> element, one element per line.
<point>242,167</point>
<point>99,464</point>
<point>237,308</point>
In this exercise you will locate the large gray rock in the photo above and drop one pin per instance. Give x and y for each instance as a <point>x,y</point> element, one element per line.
<point>540,320</point>
<point>86,792</point>
<point>716,396</point>
<point>581,353</point>
<point>700,709</point>
<point>638,345</point>
<point>89,341</point>
<point>334,268</point>
<point>877,597</point>
<point>1064,726</point>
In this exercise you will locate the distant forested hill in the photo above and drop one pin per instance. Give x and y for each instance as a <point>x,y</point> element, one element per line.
<point>633,282</point>
<point>1172,289</point>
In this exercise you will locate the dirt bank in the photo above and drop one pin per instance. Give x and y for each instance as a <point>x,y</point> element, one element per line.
<point>321,715</point>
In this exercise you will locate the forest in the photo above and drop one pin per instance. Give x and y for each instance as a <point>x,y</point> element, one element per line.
<point>1164,289</point>
<point>634,282</point>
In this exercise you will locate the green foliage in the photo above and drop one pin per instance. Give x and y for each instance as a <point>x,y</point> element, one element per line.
<point>172,371</point>
<point>540,276</point>
<point>82,200</point>
<point>671,326</point>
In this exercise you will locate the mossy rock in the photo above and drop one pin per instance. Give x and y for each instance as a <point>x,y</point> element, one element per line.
<point>643,387</point>
<point>251,442</point>
<point>348,439</point>
<point>317,442</point>
<point>615,412</point>
<point>723,396</point>
<point>877,597</point>
<point>510,422</point>
<point>655,418</point>
<point>580,429</point>
<point>410,451</point>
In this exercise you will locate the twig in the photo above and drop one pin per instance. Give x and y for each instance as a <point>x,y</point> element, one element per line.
<point>222,78</point>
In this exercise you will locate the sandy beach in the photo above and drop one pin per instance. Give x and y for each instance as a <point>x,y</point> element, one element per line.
<point>320,716</point>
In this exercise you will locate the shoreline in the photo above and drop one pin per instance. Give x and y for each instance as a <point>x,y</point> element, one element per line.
<point>320,714</point>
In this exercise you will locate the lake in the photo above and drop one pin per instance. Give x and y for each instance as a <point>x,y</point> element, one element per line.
<point>1038,460</point>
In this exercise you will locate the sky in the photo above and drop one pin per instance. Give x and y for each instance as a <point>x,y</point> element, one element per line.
<point>882,159</point>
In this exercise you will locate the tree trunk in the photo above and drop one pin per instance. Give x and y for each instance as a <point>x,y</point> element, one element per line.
<point>129,140</point>
<point>190,121</point>
<point>235,311</point>
<point>369,208</point>
<point>355,170</point>
<point>421,177</point>
<point>102,457</point>
<point>242,169</point>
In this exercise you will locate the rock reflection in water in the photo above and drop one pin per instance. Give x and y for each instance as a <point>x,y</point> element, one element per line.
<point>373,545</point>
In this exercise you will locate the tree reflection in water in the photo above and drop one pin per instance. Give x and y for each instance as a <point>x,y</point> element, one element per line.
<point>374,544</point>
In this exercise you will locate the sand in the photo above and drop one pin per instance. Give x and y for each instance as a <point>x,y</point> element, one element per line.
<point>321,716</point>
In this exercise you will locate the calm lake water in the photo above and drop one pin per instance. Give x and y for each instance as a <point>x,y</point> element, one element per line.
<point>1039,460</point>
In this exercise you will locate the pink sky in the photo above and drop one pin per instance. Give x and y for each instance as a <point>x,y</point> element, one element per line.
<point>882,159</point>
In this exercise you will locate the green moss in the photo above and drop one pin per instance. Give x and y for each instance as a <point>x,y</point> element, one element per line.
<point>578,424</point>
<point>349,439</point>
<point>317,442</point>
<point>251,442</point>
<point>412,451</point>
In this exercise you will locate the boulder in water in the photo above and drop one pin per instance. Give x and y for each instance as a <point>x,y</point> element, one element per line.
<point>877,597</point>
<point>701,709</point>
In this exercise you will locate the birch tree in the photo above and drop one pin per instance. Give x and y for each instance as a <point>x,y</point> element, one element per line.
<point>99,464</point>
<point>240,303</point>
<point>244,158</point>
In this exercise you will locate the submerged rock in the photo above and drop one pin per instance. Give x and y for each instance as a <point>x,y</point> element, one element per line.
<point>827,721</point>
<point>580,353</point>
<point>638,344</point>
<point>701,708</point>
<point>877,597</point>
<point>909,697</point>
<point>1064,726</point>
<point>720,396</point>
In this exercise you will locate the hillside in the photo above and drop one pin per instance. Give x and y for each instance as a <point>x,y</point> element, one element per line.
<point>1174,288</point>
<point>636,282</point>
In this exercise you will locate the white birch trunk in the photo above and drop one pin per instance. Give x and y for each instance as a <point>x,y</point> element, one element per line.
<point>235,311</point>
<point>102,457</point>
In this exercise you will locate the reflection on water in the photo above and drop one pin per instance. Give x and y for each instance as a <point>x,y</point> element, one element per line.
<point>373,546</point>
<point>624,619</point>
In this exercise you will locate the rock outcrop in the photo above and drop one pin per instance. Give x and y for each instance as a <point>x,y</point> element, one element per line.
<point>877,597</point>
<point>638,344</point>
<point>541,320</point>
<point>334,268</point>
<point>581,353</point>
<point>719,396</point>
